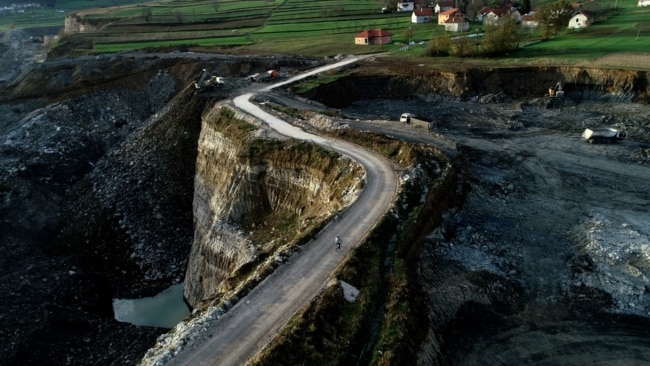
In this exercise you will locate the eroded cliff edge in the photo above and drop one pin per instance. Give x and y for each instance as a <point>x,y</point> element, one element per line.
<point>256,195</point>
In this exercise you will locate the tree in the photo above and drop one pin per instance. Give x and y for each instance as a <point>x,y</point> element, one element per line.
<point>462,47</point>
<point>407,35</point>
<point>215,5</point>
<point>554,17</point>
<point>473,9</point>
<point>501,38</point>
<point>525,7</point>
<point>439,46</point>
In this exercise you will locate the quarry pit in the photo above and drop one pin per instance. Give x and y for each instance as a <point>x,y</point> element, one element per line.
<point>549,236</point>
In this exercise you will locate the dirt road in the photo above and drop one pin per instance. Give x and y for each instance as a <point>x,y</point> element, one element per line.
<point>256,318</point>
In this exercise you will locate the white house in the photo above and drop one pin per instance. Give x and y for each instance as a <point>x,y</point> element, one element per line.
<point>528,21</point>
<point>495,16</point>
<point>443,5</point>
<point>644,3</point>
<point>422,15</point>
<point>582,19</point>
<point>406,5</point>
<point>457,24</point>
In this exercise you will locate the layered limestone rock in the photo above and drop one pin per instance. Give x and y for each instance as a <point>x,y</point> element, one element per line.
<point>255,195</point>
<point>392,80</point>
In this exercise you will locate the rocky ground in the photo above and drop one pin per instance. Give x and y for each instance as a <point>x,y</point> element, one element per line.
<point>546,260</point>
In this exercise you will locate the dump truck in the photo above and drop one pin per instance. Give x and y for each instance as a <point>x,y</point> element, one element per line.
<point>264,76</point>
<point>207,81</point>
<point>603,135</point>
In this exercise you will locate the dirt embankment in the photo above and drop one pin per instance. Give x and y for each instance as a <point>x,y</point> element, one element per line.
<point>388,79</point>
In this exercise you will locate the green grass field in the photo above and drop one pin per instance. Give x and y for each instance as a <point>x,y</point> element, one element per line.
<point>629,31</point>
<point>313,28</point>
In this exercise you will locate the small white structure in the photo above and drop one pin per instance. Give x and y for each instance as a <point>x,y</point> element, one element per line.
<point>644,3</point>
<point>443,5</point>
<point>422,15</point>
<point>406,5</point>
<point>580,20</point>
<point>528,21</point>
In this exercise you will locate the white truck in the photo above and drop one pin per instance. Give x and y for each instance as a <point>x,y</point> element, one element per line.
<point>603,135</point>
<point>410,119</point>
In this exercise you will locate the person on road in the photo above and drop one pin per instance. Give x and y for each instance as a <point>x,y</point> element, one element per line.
<point>337,241</point>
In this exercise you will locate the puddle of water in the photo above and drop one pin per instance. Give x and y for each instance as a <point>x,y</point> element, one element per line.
<point>164,310</point>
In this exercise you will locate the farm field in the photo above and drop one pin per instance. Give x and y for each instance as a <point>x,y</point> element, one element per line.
<point>626,33</point>
<point>315,28</point>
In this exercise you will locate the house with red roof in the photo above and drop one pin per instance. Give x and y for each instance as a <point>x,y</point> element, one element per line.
<point>422,15</point>
<point>495,16</point>
<point>453,13</point>
<point>373,36</point>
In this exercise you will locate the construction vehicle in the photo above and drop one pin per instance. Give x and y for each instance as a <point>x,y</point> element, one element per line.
<point>410,119</point>
<point>264,76</point>
<point>207,81</point>
<point>556,91</point>
<point>405,118</point>
<point>603,135</point>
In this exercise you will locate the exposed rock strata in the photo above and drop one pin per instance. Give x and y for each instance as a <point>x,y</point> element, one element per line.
<point>388,79</point>
<point>239,192</point>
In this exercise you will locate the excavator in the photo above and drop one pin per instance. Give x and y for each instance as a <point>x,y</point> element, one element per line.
<point>208,82</point>
<point>556,91</point>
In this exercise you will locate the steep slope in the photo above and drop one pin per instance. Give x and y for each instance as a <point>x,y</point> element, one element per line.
<point>255,197</point>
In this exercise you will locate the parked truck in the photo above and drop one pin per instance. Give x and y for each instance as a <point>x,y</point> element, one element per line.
<point>410,119</point>
<point>603,135</point>
<point>264,76</point>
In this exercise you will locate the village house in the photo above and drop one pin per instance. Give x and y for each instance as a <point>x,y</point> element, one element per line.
<point>644,3</point>
<point>495,16</point>
<point>453,13</point>
<point>406,5</point>
<point>443,5</point>
<point>457,24</point>
<point>422,15</point>
<point>582,19</point>
<point>373,36</point>
<point>529,21</point>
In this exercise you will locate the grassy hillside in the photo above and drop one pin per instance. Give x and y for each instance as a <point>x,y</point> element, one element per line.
<point>312,28</point>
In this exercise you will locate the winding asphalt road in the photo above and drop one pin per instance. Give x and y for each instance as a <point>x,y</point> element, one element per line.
<point>249,326</point>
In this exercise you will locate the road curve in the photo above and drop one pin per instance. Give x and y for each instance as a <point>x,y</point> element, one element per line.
<point>248,327</point>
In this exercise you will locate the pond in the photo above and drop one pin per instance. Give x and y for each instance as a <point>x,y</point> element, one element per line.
<point>164,310</point>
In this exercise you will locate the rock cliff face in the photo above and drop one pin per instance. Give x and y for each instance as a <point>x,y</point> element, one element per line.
<point>249,191</point>
<point>403,80</point>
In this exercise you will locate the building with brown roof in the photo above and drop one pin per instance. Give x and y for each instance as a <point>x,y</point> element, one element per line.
<point>373,36</point>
